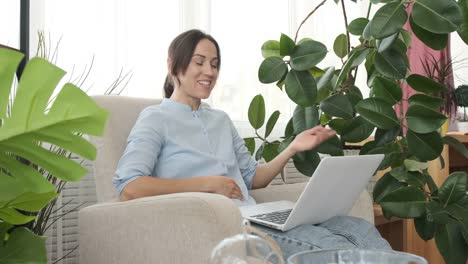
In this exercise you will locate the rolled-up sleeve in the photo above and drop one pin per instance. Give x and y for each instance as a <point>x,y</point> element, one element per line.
<point>247,164</point>
<point>141,154</point>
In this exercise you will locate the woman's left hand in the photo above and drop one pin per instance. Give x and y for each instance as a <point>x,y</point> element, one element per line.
<point>311,138</point>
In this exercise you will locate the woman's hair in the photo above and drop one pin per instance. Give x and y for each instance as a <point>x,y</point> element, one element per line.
<point>180,54</point>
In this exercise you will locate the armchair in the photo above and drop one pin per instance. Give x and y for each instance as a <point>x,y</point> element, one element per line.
<point>174,228</point>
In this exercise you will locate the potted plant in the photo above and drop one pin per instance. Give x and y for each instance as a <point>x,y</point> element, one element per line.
<point>461,99</point>
<point>27,125</point>
<point>329,96</point>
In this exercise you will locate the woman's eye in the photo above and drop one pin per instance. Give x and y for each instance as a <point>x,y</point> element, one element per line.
<point>214,66</point>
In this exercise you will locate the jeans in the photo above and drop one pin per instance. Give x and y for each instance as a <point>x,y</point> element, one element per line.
<point>339,232</point>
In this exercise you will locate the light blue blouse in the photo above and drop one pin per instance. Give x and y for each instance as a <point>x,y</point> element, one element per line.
<point>171,141</point>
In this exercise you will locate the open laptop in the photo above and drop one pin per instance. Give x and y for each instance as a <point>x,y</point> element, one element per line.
<point>331,191</point>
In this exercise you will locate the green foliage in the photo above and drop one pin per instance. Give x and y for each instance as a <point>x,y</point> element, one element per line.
<point>328,96</point>
<point>24,131</point>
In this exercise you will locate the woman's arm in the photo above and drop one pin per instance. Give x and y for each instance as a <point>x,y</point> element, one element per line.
<point>150,186</point>
<point>306,140</point>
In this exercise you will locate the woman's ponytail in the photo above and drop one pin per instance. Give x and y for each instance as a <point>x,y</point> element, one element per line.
<point>168,86</point>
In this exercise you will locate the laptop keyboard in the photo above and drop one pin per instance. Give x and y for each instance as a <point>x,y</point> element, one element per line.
<point>278,217</point>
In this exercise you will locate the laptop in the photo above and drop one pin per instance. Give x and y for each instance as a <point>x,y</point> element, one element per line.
<point>331,191</point>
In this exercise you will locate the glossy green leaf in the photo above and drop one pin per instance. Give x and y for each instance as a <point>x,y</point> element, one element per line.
<point>413,165</point>
<point>340,46</point>
<point>454,187</point>
<point>406,37</point>
<point>463,28</point>
<point>357,130</point>
<point>332,146</point>
<point>32,202</point>
<point>422,119</point>
<point>426,100</point>
<point>457,145</point>
<point>271,48</point>
<point>426,229</point>
<point>308,163</point>
<point>259,152</point>
<point>437,16</point>
<point>286,45</point>
<point>383,136</point>
<point>301,88</point>
<point>326,77</point>
<point>23,246</point>
<point>270,151</point>
<point>451,245</point>
<point>307,54</point>
<point>433,40</point>
<point>391,64</point>
<point>384,186</point>
<point>250,145</point>
<point>337,105</point>
<point>388,20</point>
<point>387,89</point>
<point>424,146</point>
<point>423,84</point>
<point>413,178</point>
<point>289,130</point>
<point>305,118</point>
<point>405,202</point>
<point>14,217</point>
<point>272,69</point>
<point>386,43</point>
<point>257,112</point>
<point>271,123</point>
<point>10,61</point>
<point>433,188</point>
<point>378,112</point>
<point>354,95</point>
<point>4,227</point>
<point>339,124</point>
<point>356,57</point>
<point>356,27</point>
<point>366,33</point>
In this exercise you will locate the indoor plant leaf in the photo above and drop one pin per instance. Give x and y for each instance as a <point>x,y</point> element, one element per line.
<point>388,20</point>
<point>307,54</point>
<point>426,100</point>
<point>391,64</point>
<point>422,119</point>
<point>305,118</point>
<point>332,146</point>
<point>306,162</point>
<point>326,77</point>
<point>378,112</point>
<point>385,185</point>
<point>270,151</point>
<point>451,245</point>
<point>14,217</point>
<point>354,95</point>
<point>463,29</point>
<point>10,61</point>
<point>413,165</point>
<point>357,130</point>
<point>356,27</point>
<point>423,84</point>
<point>433,40</point>
<point>23,247</point>
<point>340,46</point>
<point>383,136</point>
<point>425,228</point>
<point>271,48</point>
<point>271,70</point>
<point>424,146</point>
<point>356,57</point>
<point>301,88</point>
<point>32,202</point>
<point>405,202</point>
<point>454,188</point>
<point>457,145</point>
<point>257,112</point>
<point>72,112</point>
<point>337,105</point>
<point>437,16</point>
<point>250,145</point>
<point>387,42</point>
<point>387,90</point>
<point>286,45</point>
<point>271,123</point>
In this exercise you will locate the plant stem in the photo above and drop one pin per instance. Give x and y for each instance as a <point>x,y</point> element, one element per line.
<point>368,10</point>
<point>346,25</point>
<point>260,137</point>
<point>305,19</point>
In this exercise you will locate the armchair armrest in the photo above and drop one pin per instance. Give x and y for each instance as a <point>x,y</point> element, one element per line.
<point>174,228</point>
<point>362,208</point>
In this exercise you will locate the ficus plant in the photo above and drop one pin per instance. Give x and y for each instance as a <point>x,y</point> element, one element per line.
<point>329,96</point>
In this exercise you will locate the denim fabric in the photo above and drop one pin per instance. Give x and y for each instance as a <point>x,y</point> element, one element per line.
<point>340,232</point>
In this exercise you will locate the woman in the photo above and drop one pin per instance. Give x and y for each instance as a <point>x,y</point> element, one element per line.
<point>182,145</point>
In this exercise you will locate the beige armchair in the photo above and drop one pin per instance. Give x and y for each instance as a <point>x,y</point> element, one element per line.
<point>175,228</point>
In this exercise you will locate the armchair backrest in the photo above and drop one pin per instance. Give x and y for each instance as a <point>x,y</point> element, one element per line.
<point>123,112</point>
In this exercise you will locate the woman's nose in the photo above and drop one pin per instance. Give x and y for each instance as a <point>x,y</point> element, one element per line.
<point>209,70</point>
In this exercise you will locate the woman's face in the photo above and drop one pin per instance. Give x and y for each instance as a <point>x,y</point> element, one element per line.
<point>202,71</point>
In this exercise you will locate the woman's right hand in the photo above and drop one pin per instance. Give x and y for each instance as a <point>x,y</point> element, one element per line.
<point>224,185</point>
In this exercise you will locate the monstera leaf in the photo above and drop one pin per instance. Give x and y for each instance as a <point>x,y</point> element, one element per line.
<point>33,122</point>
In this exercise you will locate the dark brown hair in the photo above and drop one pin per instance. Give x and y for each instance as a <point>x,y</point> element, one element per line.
<point>180,54</point>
